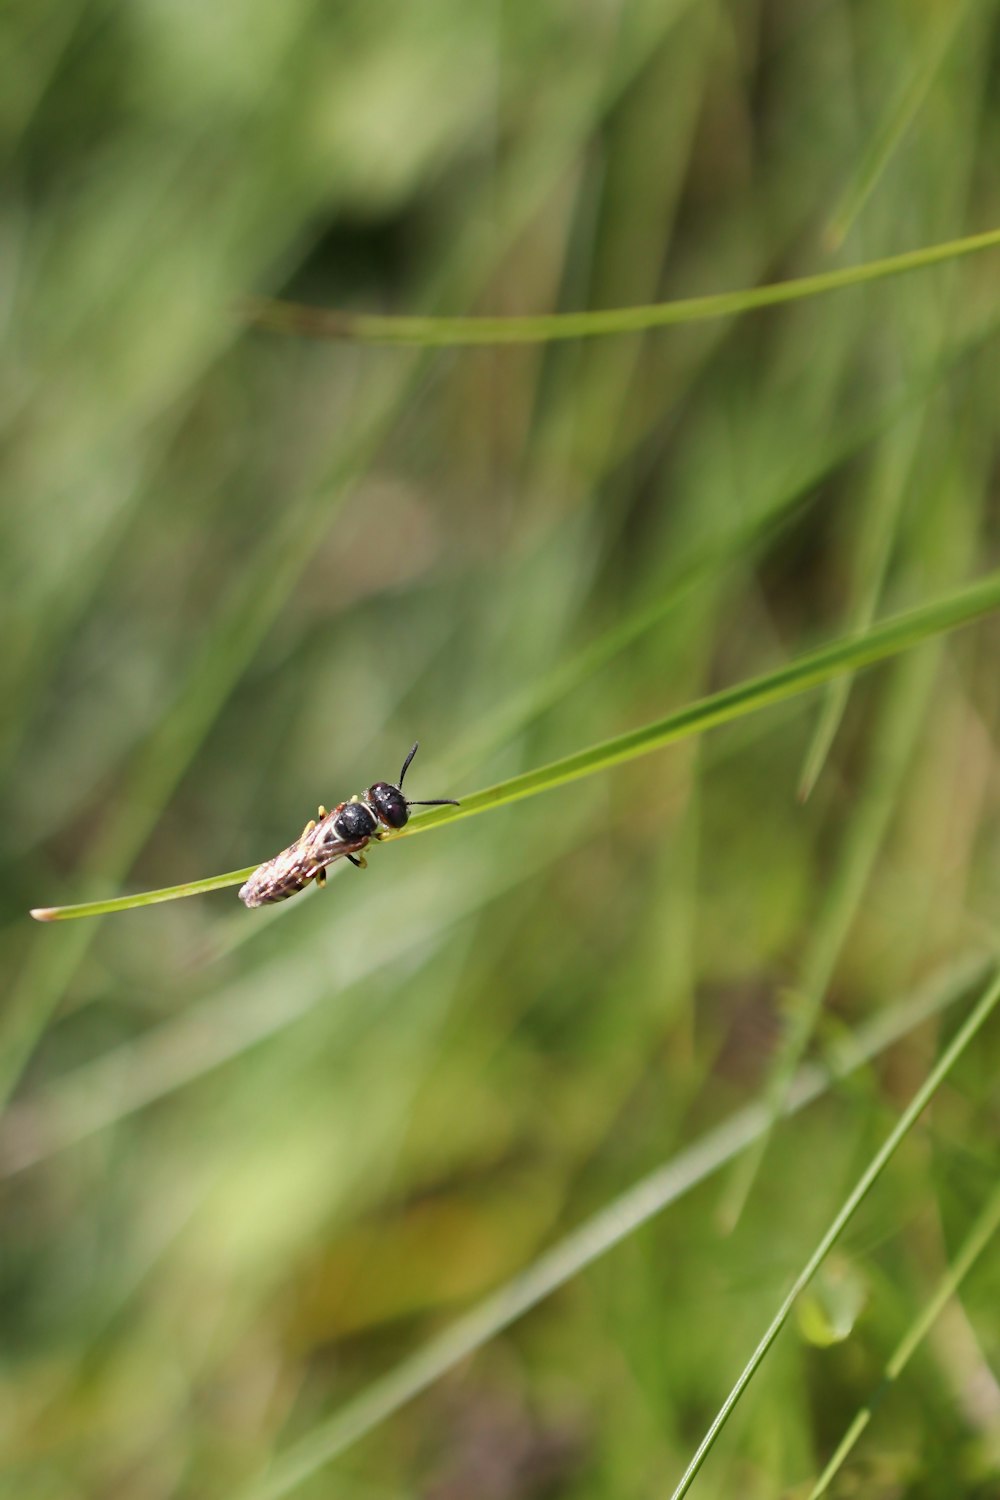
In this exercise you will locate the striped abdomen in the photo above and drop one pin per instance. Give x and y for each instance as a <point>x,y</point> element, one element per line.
<point>291,871</point>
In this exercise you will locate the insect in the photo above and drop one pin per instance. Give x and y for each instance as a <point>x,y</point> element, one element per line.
<point>340,834</point>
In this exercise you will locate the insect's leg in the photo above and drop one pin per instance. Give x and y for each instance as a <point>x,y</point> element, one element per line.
<point>321,877</point>
<point>308,828</point>
<point>321,811</point>
<point>359,862</point>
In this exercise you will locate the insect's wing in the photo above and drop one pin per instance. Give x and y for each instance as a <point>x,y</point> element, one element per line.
<point>292,869</point>
<point>280,877</point>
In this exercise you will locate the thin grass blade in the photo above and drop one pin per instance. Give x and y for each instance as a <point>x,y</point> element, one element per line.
<point>963,1037</point>
<point>975,1243</point>
<point>895,123</point>
<point>598,1235</point>
<point>851,653</point>
<point>144,898</point>
<point>329,323</point>
<point>901,714</point>
<point>897,634</point>
<point>879,522</point>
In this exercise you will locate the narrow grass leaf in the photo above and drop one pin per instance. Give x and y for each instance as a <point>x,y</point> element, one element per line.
<point>897,634</point>
<point>963,1037</point>
<point>874,544</point>
<point>108,1088</point>
<point>901,712</point>
<point>330,323</point>
<point>895,123</point>
<point>599,1234</point>
<point>252,605</point>
<point>973,1246</point>
<point>144,898</point>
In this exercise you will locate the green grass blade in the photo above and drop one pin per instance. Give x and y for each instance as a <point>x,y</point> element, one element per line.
<point>973,1246</point>
<point>851,653</point>
<point>745,537</point>
<point>899,633</point>
<point>902,710</point>
<point>966,1034</point>
<point>144,898</point>
<point>281,992</point>
<point>329,323</point>
<point>895,124</point>
<point>254,601</point>
<point>598,1235</point>
<point>874,545</point>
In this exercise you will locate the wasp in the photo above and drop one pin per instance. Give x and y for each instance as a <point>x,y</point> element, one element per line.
<point>340,834</point>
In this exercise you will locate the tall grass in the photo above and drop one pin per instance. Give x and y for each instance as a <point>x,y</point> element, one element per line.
<point>412,1186</point>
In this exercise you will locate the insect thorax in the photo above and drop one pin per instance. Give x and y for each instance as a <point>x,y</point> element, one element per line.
<point>355,821</point>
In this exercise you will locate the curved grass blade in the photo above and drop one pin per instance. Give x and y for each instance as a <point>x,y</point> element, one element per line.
<point>144,898</point>
<point>330,323</point>
<point>847,654</point>
<point>973,1246</point>
<point>246,613</point>
<point>597,1235</point>
<point>961,1040</point>
<point>899,633</point>
<point>742,539</point>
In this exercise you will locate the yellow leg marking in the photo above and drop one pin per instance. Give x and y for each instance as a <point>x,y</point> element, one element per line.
<point>321,878</point>
<point>361,861</point>
<point>308,828</point>
<point>321,811</point>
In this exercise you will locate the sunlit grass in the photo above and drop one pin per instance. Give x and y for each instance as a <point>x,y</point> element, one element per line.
<point>485,1151</point>
<point>893,636</point>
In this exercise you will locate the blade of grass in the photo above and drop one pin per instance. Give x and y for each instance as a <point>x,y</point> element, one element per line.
<point>254,602</point>
<point>896,122</point>
<point>901,714</point>
<point>904,451</point>
<point>743,538</point>
<point>966,1034</point>
<point>47,976</point>
<point>329,323</point>
<point>850,653</point>
<point>646,162</point>
<point>122,1081</point>
<point>128,1077</point>
<point>973,1246</point>
<point>595,1237</point>
<point>145,898</point>
<point>902,711</point>
<point>899,633</point>
<point>879,520</point>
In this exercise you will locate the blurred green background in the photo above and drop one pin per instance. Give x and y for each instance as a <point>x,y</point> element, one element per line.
<point>254,1162</point>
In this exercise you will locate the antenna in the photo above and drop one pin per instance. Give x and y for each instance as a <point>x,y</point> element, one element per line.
<point>436,801</point>
<point>406,763</point>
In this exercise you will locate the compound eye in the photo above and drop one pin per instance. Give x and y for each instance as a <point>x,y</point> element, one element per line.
<point>390,804</point>
<point>354,822</point>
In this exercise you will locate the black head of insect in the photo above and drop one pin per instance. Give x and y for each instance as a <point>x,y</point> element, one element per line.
<point>389,803</point>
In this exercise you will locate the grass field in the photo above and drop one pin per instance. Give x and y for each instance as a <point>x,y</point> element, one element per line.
<point>482,1175</point>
